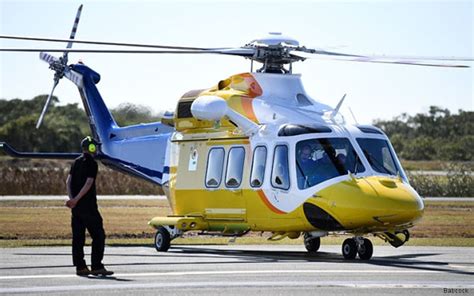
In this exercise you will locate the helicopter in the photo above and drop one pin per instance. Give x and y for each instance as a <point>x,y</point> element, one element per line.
<point>254,152</point>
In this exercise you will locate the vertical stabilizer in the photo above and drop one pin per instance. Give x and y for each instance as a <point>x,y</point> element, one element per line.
<point>140,150</point>
<point>100,119</point>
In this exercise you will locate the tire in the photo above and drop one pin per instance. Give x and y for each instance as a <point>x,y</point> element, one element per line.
<point>349,249</point>
<point>162,239</point>
<point>312,244</point>
<point>366,250</point>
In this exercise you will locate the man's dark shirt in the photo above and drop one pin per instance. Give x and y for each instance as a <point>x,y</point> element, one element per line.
<point>84,167</point>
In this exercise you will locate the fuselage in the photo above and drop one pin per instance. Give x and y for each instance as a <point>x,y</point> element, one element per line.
<point>349,180</point>
<point>279,161</point>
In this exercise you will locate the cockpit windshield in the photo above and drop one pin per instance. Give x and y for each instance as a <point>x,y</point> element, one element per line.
<point>379,155</point>
<point>318,160</point>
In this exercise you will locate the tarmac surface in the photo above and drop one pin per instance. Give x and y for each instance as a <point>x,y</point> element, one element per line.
<point>242,270</point>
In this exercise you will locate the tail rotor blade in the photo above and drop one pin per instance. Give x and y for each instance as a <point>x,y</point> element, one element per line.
<point>74,27</point>
<point>48,58</point>
<point>46,105</point>
<point>73,31</point>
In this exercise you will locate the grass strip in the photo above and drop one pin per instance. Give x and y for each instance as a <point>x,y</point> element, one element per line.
<point>47,223</point>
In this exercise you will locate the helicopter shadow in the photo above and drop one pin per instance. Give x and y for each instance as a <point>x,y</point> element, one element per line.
<point>412,261</point>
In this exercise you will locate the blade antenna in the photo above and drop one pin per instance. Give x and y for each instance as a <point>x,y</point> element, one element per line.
<point>355,120</point>
<point>336,110</point>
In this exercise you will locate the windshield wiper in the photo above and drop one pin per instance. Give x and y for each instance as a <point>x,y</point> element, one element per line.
<point>356,162</point>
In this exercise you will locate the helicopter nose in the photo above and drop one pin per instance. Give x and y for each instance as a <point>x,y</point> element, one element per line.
<point>400,201</point>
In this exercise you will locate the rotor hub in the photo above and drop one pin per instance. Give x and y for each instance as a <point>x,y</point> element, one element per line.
<point>274,51</point>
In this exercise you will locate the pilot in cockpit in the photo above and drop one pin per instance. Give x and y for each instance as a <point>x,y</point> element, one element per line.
<point>306,167</point>
<point>306,160</point>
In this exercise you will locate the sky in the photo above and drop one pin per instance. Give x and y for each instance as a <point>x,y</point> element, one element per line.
<point>374,91</point>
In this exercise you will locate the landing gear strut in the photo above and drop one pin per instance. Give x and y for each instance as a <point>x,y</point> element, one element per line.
<point>357,245</point>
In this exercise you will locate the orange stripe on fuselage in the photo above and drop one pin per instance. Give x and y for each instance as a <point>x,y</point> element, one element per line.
<point>248,109</point>
<point>264,198</point>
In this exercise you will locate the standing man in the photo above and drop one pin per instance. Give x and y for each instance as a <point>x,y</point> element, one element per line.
<point>85,213</point>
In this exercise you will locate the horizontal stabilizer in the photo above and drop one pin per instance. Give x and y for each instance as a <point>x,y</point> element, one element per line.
<point>44,155</point>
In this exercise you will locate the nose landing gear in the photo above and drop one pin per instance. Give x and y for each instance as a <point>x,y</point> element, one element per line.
<point>357,245</point>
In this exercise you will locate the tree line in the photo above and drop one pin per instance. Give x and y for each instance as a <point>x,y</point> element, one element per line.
<point>436,135</point>
<point>64,126</point>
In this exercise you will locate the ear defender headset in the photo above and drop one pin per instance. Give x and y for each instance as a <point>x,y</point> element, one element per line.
<point>89,144</point>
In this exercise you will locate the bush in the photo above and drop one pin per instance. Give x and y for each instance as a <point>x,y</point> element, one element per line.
<point>51,181</point>
<point>458,182</point>
<point>437,135</point>
<point>419,148</point>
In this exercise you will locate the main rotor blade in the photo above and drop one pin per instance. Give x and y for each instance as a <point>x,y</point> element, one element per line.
<point>427,61</point>
<point>246,52</point>
<point>308,53</point>
<point>46,105</point>
<point>108,43</point>
<point>409,63</point>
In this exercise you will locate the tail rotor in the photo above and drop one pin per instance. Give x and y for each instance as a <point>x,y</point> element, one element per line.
<point>59,66</point>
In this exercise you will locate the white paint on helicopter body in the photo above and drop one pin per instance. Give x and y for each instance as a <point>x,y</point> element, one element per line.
<point>278,104</point>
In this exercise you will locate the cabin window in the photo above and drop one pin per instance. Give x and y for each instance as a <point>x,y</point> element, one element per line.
<point>235,167</point>
<point>215,164</point>
<point>280,172</point>
<point>258,166</point>
<point>318,160</point>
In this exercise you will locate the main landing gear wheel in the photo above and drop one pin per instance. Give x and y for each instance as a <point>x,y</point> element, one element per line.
<point>312,244</point>
<point>162,239</point>
<point>365,250</point>
<point>349,249</point>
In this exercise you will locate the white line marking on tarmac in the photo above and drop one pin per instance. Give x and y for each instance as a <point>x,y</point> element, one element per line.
<point>227,284</point>
<point>224,272</point>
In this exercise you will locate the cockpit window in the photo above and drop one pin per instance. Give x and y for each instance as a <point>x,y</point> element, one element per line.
<point>318,160</point>
<point>379,155</point>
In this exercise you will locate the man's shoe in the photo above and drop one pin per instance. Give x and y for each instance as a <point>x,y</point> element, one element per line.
<point>101,272</point>
<point>83,271</point>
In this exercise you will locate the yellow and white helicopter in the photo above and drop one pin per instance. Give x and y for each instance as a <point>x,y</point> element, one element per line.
<point>254,152</point>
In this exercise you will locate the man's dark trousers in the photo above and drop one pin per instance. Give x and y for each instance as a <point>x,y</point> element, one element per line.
<point>92,221</point>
